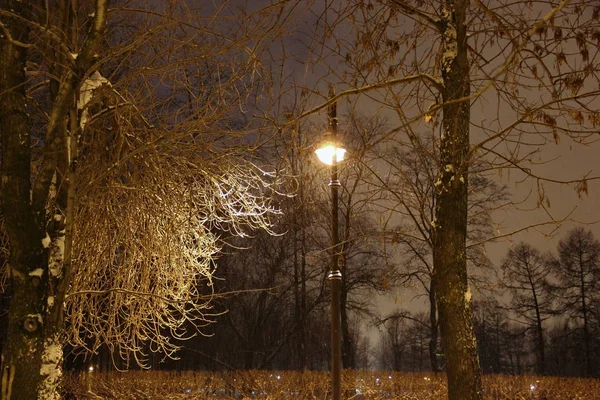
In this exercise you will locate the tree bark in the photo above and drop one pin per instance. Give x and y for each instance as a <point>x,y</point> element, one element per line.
<point>32,357</point>
<point>450,222</point>
<point>433,322</point>
<point>21,356</point>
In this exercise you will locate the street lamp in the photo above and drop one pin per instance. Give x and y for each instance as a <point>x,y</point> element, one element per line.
<point>330,152</point>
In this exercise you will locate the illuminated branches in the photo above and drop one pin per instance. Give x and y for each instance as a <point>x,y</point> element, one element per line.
<point>147,166</point>
<point>166,174</point>
<point>145,243</point>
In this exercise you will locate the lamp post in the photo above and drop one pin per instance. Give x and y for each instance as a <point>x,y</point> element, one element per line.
<point>331,153</point>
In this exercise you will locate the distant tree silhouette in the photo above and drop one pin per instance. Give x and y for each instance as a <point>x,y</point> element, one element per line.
<point>526,276</point>
<point>577,266</point>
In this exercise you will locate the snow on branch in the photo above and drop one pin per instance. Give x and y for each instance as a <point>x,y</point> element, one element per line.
<point>86,91</point>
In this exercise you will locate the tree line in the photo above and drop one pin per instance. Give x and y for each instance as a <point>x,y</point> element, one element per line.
<point>543,319</point>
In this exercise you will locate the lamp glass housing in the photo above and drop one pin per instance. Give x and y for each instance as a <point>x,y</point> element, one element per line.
<point>329,153</point>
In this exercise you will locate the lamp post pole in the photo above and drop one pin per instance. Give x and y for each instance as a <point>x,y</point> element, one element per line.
<point>335,273</point>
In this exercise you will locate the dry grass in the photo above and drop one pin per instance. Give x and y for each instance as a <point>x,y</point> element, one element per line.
<point>273,385</point>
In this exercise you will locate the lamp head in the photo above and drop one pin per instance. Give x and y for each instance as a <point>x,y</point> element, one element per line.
<point>330,151</point>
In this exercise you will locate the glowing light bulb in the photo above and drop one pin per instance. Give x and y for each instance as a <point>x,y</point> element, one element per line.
<point>330,154</point>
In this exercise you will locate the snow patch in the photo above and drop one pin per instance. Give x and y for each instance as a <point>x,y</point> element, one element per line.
<point>46,241</point>
<point>50,301</point>
<point>451,50</point>
<point>449,39</point>
<point>85,94</point>
<point>87,87</point>
<point>468,295</point>
<point>36,316</point>
<point>57,255</point>
<point>51,369</point>
<point>37,272</point>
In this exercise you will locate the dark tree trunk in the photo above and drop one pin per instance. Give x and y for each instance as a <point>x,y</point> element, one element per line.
<point>297,302</point>
<point>22,353</point>
<point>303,309</point>
<point>299,223</point>
<point>33,334</point>
<point>433,322</point>
<point>249,359</point>
<point>541,353</point>
<point>450,222</point>
<point>584,313</point>
<point>348,360</point>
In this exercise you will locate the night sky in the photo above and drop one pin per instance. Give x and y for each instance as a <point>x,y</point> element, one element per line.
<point>307,66</point>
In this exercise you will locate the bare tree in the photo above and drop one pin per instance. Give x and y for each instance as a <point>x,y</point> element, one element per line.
<point>410,192</point>
<point>578,270</point>
<point>260,314</point>
<point>491,328</point>
<point>437,61</point>
<point>33,348</point>
<point>297,257</point>
<point>116,188</point>
<point>405,342</point>
<point>366,269</point>
<point>393,344</point>
<point>526,276</point>
<point>309,278</point>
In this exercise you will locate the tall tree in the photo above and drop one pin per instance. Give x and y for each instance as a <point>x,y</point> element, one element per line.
<point>526,276</point>
<point>437,61</point>
<point>405,342</point>
<point>409,189</point>
<point>578,270</point>
<point>114,211</point>
<point>32,355</point>
<point>304,210</point>
<point>491,328</point>
<point>308,226</point>
<point>365,270</point>
<point>450,216</point>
